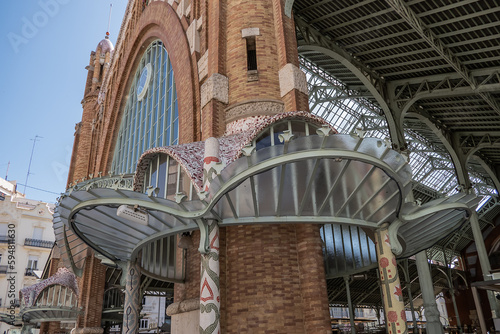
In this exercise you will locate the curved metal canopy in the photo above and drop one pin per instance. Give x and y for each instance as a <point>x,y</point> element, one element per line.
<point>427,224</point>
<point>315,179</point>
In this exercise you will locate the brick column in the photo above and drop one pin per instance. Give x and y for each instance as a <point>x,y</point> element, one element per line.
<point>391,287</point>
<point>54,327</point>
<point>91,286</point>
<point>132,303</point>
<point>294,97</point>
<point>312,279</point>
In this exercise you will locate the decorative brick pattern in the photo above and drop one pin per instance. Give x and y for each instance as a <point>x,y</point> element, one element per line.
<point>262,280</point>
<point>91,288</point>
<point>253,108</point>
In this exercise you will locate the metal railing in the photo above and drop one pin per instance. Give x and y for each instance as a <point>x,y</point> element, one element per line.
<point>38,243</point>
<point>30,272</point>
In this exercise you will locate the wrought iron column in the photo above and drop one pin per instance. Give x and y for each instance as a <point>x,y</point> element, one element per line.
<point>452,291</point>
<point>391,287</point>
<point>349,302</point>
<point>132,303</point>
<point>483,261</point>
<point>433,324</point>
<point>408,288</point>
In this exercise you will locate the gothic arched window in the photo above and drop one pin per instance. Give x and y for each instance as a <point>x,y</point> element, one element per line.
<point>150,117</point>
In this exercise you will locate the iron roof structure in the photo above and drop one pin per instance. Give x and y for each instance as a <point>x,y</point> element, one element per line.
<point>424,73</point>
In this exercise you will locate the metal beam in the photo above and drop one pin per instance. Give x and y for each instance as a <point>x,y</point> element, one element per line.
<point>450,92</point>
<point>317,42</point>
<point>440,77</point>
<point>460,173</point>
<point>418,25</point>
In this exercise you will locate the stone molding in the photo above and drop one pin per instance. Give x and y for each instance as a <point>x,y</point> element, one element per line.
<point>249,32</point>
<point>89,330</point>
<point>193,36</point>
<point>216,87</point>
<point>203,66</point>
<point>183,8</point>
<point>184,306</point>
<point>291,77</point>
<point>253,108</point>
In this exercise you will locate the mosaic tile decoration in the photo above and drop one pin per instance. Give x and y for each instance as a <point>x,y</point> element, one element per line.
<point>63,277</point>
<point>238,134</point>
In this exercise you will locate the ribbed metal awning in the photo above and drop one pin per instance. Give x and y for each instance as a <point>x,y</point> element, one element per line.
<point>339,178</point>
<point>427,224</point>
<point>315,179</point>
<point>91,214</point>
<point>51,313</point>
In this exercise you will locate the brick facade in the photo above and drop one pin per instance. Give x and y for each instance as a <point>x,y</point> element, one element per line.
<point>272,276</point>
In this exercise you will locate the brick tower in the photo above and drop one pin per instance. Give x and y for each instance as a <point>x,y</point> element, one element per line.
<point>272,277</point>
<point>232,60</point>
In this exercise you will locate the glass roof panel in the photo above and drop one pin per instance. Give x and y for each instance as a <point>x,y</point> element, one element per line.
<point>431,164</point>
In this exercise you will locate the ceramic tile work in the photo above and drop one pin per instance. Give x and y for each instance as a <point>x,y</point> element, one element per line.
<point>238,134</point>
<point>189,156</point>
<point>63,277</point>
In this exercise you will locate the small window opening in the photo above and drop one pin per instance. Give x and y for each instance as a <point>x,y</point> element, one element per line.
<point>251,54</point>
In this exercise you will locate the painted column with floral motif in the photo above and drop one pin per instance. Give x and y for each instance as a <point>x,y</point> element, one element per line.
<point>132,302</point>
<point>391,286</point>
<point>210,283</point>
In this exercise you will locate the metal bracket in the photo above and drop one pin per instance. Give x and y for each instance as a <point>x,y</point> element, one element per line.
<point>248,150</point>
<point>152,191</point>
<point>204,236</point>
<point>123,265</point>
<point>396,246</point>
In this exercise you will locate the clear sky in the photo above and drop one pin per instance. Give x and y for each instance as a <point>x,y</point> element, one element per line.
<point>45,46</point>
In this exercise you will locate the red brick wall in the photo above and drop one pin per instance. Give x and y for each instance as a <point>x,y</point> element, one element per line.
<point>312,279</point>
<point>238,18</point>
<point>191,287</point>
<point>91,293</point>
<point>263,286</point>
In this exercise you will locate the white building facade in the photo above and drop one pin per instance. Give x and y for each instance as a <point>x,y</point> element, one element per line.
<point>26,240</point>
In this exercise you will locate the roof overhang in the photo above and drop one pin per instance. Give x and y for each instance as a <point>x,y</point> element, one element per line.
<point>315,179</point>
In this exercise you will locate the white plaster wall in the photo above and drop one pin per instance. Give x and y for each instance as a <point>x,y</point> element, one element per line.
<point>25,214</point>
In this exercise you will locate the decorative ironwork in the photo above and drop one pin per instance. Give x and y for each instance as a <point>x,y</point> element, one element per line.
<point>38,243</point>
<point>123,181</point>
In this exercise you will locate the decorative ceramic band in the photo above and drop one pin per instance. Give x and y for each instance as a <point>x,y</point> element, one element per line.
<point>209,288</point>
<point>131,306</point>
<point>210,161</point>
<point>391,286</point>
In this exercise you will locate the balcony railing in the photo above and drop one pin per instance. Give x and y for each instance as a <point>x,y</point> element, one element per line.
<point>30,272</point>
<point>38,243</point>
<point>4,269</point>
<point>4,239</point>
